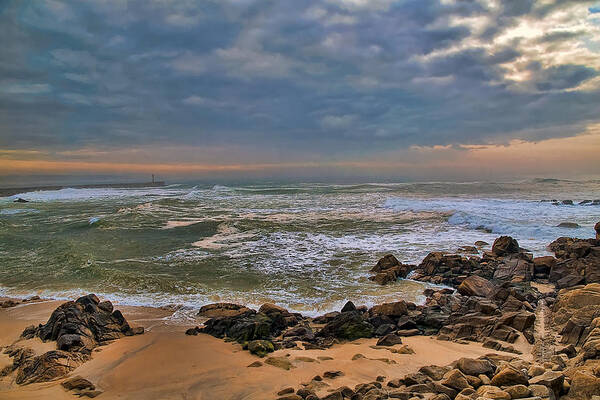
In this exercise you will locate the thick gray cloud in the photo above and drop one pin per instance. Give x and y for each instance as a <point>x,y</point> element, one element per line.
<point>302,77</point>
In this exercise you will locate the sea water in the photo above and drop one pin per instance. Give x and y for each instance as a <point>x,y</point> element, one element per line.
<point>307,246</point>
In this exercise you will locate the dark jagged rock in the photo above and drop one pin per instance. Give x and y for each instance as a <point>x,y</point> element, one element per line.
<point>20,200</point>
<point>505,245</point>
<point>389,340</point>
<point>81,325</point>
<point>347,325</point>
<point>245,325</point>
<point>349,306</point>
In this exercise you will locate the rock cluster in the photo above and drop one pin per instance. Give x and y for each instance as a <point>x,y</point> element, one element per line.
<point>77,327</point>
<point>577,262</point>
<point>488,377</point>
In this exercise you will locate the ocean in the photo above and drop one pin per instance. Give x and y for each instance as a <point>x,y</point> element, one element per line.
<point>307,247</point>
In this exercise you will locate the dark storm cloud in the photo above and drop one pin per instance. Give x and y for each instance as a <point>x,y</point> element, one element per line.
<point>302,77</point>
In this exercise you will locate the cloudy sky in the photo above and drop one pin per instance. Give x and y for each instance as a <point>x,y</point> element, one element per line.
<point>406,89</point>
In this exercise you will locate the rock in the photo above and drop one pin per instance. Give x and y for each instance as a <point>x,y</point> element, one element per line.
<point>476,286</point>
<point>481,243</point>
<point>386,262</point>
<point>48,366</point>
<point>81,325</point>
<point>553,380</point>
<point>493,393</point>
<point>434,372</point>
<point>290,397</point>
<point>567,202</point>
<point>279,362</point>
<point>20,200</point>
<point>455,379</point>
<point>348,325</point>
<point>193,331</point>
<point>390,339</point>
<point>505,245</point>
<point>396,309</point>
<point>260,347</point>
<point>568,225</point>
<point>249,325</point>
<point>218,310</point>
<point>518,391</point>
<point>255,364</point>
<point>332,374</point>
<point>509,376</point>
<point>78,383</point>
<point>285,391</point>
<point>470,366</point>
<point>468,250</point>
<point>584,384</point>
<point>535,370</point>
<point>349,306</point>
<point>541,391</point>
<point>597,229</point>
<point>325,318</point>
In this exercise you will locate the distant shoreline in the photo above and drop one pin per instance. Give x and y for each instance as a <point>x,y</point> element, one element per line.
<point>5,192</point>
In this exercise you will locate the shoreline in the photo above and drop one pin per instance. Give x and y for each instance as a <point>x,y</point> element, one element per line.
<point>204,367</point>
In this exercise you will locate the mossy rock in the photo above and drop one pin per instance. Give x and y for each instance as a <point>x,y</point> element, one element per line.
<point>260,347</point>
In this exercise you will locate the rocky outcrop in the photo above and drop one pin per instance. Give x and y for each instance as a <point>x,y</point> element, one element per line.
<point>449,269</point>
<point>349,325</point>
<point>488,377</point>
<point>574,312</point>
<point>82,325</point>
<point>77,327</point>
<point>578,261</point>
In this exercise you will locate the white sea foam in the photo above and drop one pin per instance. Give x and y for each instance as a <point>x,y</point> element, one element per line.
<point>15,211</point>
<point>75,194</point>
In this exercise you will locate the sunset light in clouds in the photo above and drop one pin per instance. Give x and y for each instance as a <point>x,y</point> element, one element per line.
<point>247,89</point>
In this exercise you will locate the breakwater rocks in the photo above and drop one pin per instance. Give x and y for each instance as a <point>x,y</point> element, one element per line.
<point>77,327</point>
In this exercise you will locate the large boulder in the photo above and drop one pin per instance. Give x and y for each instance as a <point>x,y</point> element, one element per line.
<point>509,376</point>
<point>551,379</point>
<point>476,286</point>
<point>83,324</point>
<point>347,325</point>
<point>505,245</point>
<point>395,309</point>
<point>470,366</point>
<point>242,328</point>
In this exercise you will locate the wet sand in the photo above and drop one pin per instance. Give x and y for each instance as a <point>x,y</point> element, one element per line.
<point>164,363</point>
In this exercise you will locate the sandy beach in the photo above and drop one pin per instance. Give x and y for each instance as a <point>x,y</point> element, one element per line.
<point>164,363</point>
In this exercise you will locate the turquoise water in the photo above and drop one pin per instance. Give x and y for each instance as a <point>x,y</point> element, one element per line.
<point>305,246</point>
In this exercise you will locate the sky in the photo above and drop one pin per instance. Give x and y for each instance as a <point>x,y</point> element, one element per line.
<point>306,89</point>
